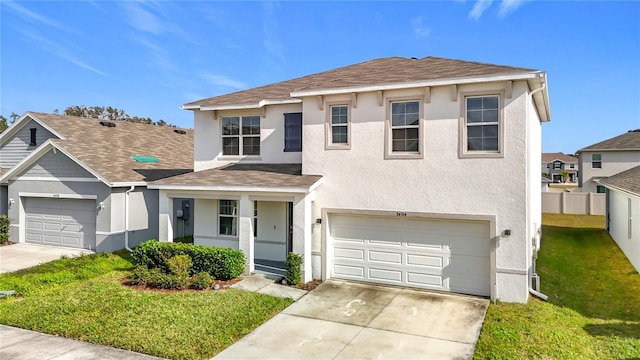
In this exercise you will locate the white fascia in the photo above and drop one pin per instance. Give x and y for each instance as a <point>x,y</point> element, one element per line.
<point>615,188</point>
<point>296,190</point>
<point>39,152</point>
<point>258,105</point>
<point>128,184</point>
<point>20,123</point>
<point>405,85</point>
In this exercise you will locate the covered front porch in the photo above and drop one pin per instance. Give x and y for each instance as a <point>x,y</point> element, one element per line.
<point>265,210</point>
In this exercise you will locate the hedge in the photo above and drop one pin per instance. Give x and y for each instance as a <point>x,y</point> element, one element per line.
<point>221,263</point>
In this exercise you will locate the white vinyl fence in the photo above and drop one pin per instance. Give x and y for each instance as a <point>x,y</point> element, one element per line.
<point>574,203</point>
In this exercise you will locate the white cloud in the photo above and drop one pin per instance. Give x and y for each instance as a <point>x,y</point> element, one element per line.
<point>59,50</point>
<point>509,6</point>
<point>35,17</point>
<point>271,42</point>
<point>479,8</point>
<point>223,80</point>
<point>141,19</point>
<point>419,29</point>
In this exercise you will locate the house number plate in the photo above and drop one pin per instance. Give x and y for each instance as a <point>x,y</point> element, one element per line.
<point>401,213</point>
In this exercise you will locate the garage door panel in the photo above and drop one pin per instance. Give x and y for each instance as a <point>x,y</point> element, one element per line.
<point>442,255</point>
<point>61,222</point>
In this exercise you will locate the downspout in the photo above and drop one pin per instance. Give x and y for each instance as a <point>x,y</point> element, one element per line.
<point>534,276</point>
<point>126,218</point>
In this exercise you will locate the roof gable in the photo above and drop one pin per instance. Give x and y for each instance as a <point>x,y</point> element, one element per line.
<point>551,157</point>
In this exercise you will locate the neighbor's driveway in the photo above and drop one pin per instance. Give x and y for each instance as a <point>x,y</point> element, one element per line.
<point>21,256</point>
<point>344,320</point>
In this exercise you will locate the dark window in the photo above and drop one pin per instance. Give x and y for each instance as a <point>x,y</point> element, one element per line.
<point>237,131</point>
<point>405,126</point>
<point>557,165</point>
<point>292,132</point>
<point>33,137</point>
<point>596,161</point>
<point>482,121</point>
<point>600,189</point>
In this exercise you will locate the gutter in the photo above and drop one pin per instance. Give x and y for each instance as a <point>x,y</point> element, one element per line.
<point>126,218</point>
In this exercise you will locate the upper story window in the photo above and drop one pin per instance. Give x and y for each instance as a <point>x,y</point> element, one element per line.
<point>405,127</point>
<point>241,135</point>
<point>557,165</point>
<point>572,166</point>
<point>596,161</point>
<point>338,126</point>
<point>292,132</point>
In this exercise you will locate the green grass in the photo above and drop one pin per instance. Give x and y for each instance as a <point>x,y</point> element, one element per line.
<point>82,298</point>
<point>593,310</point>
<point>185,239</point>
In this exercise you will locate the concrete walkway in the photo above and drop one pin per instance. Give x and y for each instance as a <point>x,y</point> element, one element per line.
<point>21,256</point>
<point>20,344</point>
<point>265,284</point>
<point>344,320</point>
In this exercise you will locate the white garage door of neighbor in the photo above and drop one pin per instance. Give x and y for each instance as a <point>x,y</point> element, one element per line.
<point>61,222</point>
<point>431,254</point>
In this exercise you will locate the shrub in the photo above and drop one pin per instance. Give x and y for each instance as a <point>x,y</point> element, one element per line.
<point>202,281</point>
<point>4,229</point>
<point>185,239</point>
<point>221,263</point>
<point>180,265</point>
<point>142,275</point>
<point>294,269</point>
<point>161,280</point>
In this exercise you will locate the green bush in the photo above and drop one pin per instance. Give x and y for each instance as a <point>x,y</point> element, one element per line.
<point>180,265</point>
<point>142,275</point>
<point>161,280</point>
<point>294,269</point>
<point>185,239</point>
<point>4,229</point>
<point>202,281</point>
<point>221,263</point>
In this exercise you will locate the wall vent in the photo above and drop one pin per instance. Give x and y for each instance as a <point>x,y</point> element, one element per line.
<point>108,123</point>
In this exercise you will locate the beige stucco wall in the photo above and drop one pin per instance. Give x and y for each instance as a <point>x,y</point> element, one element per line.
<point>613,162</point>
<point>360,178</point>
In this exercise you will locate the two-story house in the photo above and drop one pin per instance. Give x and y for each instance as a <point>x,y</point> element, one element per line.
<point>82,183</point>
<point>553,165</point>
<point>411,172</point>
<point>607,158</point>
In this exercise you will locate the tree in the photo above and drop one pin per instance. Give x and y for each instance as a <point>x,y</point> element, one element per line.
<point>3,123</point>
<point>565,175</point>
<point>108,113</point>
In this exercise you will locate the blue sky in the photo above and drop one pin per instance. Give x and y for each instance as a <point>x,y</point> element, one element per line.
<point>148,58</point>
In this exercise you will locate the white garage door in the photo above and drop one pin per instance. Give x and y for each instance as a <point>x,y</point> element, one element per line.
<point>61,222</point>
<point>431,254</point>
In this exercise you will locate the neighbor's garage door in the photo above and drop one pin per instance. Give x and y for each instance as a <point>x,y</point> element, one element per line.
<point>431,254</point>
<point>61,222</point>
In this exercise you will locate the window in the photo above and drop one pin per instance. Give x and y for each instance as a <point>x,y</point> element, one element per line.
<point>572,166</point>
<point>292,132</point>
<point>33,141</point>
<point>255,219</point>
<point>629,220</point>
<point>596,161</point>
<point>557,165</point>
<point>228,217</point>
<point>339,124</point>
<point>482,121</point>
<point>600,189</point>
<point>405,127</point>
<point>241,133</point>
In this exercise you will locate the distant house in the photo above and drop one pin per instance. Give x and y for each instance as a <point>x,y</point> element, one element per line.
<point>77,182</point>
<point>623,212</point>
<point>554,163</point>
<point>607,158</point>
<point>383,171</point>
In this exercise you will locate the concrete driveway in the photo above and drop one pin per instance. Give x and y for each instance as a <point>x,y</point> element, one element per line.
<point>344,320</point>
<point>21,256</point>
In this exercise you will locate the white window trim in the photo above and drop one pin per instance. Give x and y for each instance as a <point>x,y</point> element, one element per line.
<point>596,161</point>
<point>228,216</point>
<point>388,133</point>
<point>328,129</point>
<point>239,136</point>
<point>462,142</point>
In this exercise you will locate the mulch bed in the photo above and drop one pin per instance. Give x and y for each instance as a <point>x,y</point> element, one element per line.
<point>308,286</point>
<point>224,284</point>
<point>7,243</point>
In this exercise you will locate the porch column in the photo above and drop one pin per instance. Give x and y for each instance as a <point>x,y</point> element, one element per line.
<point>245,231</point>
<point>165,214</point>
<point>302,233</point>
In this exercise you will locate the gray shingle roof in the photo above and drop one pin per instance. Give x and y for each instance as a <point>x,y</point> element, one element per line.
<point>390,70</point>
<point>627,141</point>
<point>108,150</point>
<point>628,180</point>
<point>269,175</point>
<point>550,157</point>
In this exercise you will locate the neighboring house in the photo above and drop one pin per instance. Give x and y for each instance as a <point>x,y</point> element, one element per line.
<point>82,183</point>
<point>607,158</point>
<point>411,172</point>
<point>545,184</point>
<point>554,163</point>
<point>623,212</point>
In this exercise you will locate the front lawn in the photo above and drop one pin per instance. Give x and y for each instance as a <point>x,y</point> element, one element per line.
<point>83,298</point>
<point>593,310</point>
